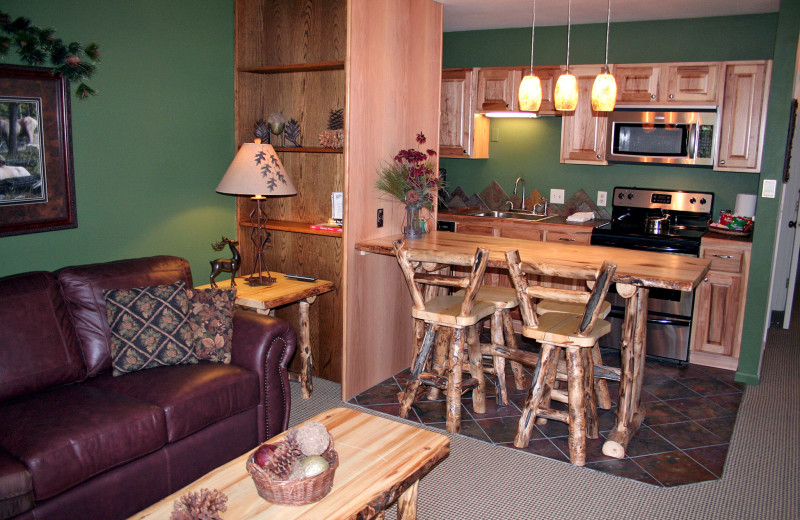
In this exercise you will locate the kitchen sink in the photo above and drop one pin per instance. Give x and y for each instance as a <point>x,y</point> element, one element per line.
<point>517,214</point>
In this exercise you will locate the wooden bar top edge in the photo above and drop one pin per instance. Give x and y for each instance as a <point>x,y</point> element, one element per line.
<point>641,268</point>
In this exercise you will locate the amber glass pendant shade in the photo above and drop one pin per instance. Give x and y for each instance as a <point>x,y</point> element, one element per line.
<point>530,93</point>
<point>566,94</point>
<point>604,93</point>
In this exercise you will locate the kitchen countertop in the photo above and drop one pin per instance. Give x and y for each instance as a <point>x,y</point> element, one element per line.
<point>554,219</point>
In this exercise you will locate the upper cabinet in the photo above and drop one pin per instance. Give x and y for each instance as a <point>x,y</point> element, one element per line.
<point>743,115</point>
<point>498,88</point>
<point>462,132</point>
<point>665,83</point>
<point>583,132</point>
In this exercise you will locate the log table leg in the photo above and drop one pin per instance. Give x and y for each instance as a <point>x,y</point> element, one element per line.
<point>306,383</point>
<point>630,414</point>
<point>407,503</point>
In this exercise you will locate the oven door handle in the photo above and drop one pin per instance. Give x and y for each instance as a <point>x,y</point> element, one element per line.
<point>660,320</point>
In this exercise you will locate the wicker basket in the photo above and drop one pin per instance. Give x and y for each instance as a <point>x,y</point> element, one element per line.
<point>294,492</point>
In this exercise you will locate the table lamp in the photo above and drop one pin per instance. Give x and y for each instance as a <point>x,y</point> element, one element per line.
<point>256,171</point>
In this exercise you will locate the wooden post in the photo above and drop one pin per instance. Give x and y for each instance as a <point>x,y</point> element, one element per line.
<point>538,387</point>
<point>476,369</point>
<point>306,382</point>
<point>454,382</point>
<point>407,503</point>
<point>499,361</point>
<point>577,406</point>
<point>511,342</point>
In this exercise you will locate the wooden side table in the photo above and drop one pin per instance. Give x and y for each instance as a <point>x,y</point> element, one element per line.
<point>380,461</point>
<point>285,291</point>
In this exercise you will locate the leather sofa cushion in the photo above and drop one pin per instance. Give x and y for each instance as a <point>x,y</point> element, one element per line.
<point>192,396</point>
<point>82,287</point>
<point>39,347</point>
<point>67,435</point>
<point>16,486</point>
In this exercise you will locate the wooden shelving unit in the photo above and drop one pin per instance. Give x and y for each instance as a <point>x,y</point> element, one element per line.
<point>294,227</point>
<point>339,56</point>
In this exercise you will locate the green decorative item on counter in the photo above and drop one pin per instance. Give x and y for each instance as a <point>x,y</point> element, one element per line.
<point>36,46</point>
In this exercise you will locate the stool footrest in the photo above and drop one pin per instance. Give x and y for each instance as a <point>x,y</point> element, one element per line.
<point>556,415</point>
<point>532,358</point>
<point>440,382</point>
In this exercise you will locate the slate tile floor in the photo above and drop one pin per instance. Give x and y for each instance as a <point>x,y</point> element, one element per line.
<point>691,411</point>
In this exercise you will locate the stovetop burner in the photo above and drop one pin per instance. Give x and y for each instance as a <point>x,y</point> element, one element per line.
<point>633,213</point>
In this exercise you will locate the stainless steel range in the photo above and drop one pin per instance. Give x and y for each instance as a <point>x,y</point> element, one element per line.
<point>663,221</point>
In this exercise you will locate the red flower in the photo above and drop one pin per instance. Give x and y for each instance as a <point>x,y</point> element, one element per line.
<point>431,153</point>
<point>421,138</point>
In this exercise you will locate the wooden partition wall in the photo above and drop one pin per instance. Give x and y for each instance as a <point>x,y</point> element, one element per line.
<point>381,61</point>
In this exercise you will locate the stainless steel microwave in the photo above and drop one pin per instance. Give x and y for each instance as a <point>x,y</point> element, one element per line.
<point>662,135</point>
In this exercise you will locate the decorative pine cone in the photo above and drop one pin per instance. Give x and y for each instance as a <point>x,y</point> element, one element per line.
<point>202,505</point>
<point>336,119</point>
<point>332,138</point>
<point>283,458</point>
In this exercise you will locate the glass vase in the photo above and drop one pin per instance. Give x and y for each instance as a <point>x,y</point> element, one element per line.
<point>412,225</point>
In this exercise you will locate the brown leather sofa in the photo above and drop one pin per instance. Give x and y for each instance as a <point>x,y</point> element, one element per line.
<point>76,442</point>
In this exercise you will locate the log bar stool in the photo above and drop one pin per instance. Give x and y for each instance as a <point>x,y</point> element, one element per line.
<point>600,387</point>
<point>459,313</point>
<point>576,334</point>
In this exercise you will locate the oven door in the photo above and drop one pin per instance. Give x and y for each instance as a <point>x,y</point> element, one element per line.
<point>669,323</point>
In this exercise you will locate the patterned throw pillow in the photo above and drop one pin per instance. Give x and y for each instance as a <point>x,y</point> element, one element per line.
<point>211,314</point>
<point>150,327</point>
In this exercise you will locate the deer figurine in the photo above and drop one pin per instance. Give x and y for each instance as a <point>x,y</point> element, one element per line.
<point>221,265</point>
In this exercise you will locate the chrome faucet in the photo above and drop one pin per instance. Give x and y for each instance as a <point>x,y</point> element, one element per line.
<point>542,206</point>
<point>510,204</point>
<point>516,185</point>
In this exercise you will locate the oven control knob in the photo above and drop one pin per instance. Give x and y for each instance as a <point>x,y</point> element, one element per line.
<point>630,196</point>
<point>703,201</point>
<point>621,196</point>
<point>692,200</point>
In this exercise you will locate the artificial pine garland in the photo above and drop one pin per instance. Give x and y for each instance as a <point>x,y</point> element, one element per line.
<point>35,46</point>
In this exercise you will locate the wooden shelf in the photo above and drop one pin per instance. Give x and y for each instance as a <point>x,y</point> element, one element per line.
<point>294,227</point>
<point>307,149</point>
<point>295,67</point>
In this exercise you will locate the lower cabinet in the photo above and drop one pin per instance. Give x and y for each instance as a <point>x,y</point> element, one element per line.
<point>719,304</point>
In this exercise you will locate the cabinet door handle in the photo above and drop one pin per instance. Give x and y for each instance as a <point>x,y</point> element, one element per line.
<point>652,96</point>
<point>726,257</point>
<point>705,279</point>
<point>672,96</point>
<point>599,156</point>
<point>722,162</point>
<point>567,239</point>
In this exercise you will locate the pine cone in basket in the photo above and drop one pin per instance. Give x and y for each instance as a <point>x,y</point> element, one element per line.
<point>283,458</point>
<point>202,505</point>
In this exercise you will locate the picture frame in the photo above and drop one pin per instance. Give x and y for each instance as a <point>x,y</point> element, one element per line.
<point>37,180</point>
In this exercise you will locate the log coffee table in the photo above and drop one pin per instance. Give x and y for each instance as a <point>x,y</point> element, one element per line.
<point>379,461</point>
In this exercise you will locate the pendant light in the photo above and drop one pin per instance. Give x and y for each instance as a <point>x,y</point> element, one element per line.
<point>604,90</point>
<point>566,94</point>
<point>530,90</point>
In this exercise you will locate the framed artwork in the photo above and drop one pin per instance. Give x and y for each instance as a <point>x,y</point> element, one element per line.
<point>37,181</point>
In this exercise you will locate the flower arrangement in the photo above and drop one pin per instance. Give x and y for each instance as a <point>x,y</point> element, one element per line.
<point>411,177</point>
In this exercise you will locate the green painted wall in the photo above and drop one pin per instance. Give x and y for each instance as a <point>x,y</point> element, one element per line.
<point>151,147</point>
<point>530,147</point>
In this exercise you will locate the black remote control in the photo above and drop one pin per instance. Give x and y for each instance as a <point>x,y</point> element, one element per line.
<point>301,278</point>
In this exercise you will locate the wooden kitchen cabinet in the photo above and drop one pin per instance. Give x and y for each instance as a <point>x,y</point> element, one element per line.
<point>583,131</point>
<point>498,89</point>
<point>462,132</point>
<point>719,304</point>
<point>548,75</point>
<point>667,83</point>
<point>743,116</point>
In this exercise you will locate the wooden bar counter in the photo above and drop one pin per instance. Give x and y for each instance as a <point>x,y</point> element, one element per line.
<point>637,272</point>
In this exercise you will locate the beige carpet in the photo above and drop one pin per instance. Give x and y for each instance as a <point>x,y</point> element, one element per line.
<point>761,480</point>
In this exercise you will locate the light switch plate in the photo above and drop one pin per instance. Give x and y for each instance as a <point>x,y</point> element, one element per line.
<point>602,198</point>
<point>557,196</point>
<point>768,189</point>
<point>495,132</point>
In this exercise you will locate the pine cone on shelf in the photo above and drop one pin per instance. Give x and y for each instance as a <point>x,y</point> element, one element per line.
<point>200,505</point>
<point>283,458</point>
<point>336,119</point>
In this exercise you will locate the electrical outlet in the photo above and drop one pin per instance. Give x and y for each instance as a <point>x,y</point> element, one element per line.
<point>380,217</point>
<point>601,198</point>
<point>557,196</point>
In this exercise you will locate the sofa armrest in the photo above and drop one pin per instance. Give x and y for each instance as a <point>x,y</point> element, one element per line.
<point>265,345</point>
